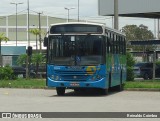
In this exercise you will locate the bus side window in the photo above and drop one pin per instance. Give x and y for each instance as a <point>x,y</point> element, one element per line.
<point>113,44</point>
<point>116,45</point>
<point>120,45</point>
<point>106,38</point>
<point>124,46</point>
<point>108,45</point>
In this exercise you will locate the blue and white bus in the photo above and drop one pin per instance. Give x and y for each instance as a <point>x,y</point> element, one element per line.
<point>85,55</point>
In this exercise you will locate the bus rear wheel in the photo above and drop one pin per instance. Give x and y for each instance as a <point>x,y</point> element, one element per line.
<point>60,91</point>
<point>120,87</point>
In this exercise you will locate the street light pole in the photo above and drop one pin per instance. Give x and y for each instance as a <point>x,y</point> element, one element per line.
<point>28,57</point>
<point>68,9</point>
<point>40,39</point>
<point>28,23</point>
<point>116,14</point>
<point>16,19</point>
<point>78,10</point>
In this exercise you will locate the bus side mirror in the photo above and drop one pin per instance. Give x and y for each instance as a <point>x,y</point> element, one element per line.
<point>45,41</point>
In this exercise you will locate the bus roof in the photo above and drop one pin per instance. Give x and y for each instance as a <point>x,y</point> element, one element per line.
<point>77,23</point>
<point>98,24</point>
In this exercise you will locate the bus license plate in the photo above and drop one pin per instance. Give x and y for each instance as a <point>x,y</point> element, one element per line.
<point>74,84</point>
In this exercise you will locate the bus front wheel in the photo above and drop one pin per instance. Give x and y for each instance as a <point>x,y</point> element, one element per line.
<point>60,91</point>
<point>104,91</point>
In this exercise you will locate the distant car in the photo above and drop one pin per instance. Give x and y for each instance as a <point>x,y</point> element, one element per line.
<point>41,70</point>
<point>20,72</point>
<point>145,70</point>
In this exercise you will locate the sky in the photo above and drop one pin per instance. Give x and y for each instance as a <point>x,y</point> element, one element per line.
<point>88,10</point>
<point>53,7</point>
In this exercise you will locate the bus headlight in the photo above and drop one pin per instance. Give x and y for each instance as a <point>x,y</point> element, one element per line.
<point>95,77</point>
<point>52,77</point>
<point>55,77</point>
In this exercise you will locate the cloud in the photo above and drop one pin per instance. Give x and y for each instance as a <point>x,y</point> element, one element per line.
<point>55,8</point>
<point>52,7</point>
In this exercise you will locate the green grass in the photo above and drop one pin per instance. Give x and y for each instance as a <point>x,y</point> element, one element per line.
<point>40,83</point>
<point>143,84</point>
<point>23,83</point>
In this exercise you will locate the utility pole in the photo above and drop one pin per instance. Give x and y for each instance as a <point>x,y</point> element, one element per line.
<point>158,29</point>
<point>28,57</point>
<point>155,27</point>
<point>40,39</point>
<point>16,17</point>
<point>116,14</point>
<point>28,27</point>
<point>68,9</point>
<point>154,63</point>
<point>78,10</point>
<point>154,53</point>
<point>1,61</point>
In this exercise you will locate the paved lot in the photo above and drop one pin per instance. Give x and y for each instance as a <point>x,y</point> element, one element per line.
<point>40,100</point>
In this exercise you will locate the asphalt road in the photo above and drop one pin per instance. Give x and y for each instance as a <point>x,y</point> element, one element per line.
<point>44,100</point>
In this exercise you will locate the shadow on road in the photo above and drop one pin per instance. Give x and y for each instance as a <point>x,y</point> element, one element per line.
<point>87,93</point>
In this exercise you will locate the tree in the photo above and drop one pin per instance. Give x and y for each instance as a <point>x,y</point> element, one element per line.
<point>134,32</point>
<point>2,38</point>
<point>35,32</point>
<point>22,59</point>
<point>141,32</point>
<point>37,59</point>
<point>130,64</point>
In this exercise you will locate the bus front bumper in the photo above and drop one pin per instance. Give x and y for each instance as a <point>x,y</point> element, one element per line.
<point>102,83</point>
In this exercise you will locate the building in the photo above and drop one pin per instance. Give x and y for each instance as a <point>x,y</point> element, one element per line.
<point>11,53</point>
<point>130,8</point>
<point>134,8</point>
<point>8,27</point>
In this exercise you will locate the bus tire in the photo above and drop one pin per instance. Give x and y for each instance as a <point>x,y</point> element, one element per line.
<point>121,88</point>
<point>78,90</point>
<point>121,85</point>
<point>109,84</point>
<point>104,91</point>
<point>60,91</point>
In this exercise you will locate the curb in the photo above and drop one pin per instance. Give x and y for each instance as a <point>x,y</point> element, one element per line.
<point>128,89</point>
<point>142,89</point>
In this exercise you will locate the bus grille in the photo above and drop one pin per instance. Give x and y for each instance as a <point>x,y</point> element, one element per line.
<point>74,75</point>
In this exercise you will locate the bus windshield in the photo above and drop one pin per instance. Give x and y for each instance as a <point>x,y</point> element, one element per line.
<point>73,50</point>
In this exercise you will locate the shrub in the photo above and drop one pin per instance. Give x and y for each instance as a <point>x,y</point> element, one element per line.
<point>130,60</point>
<point>6,73</point>
<point>130,64</point>
<point>130,74</point>
<point>158,62</point>
<point>22,59</point>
